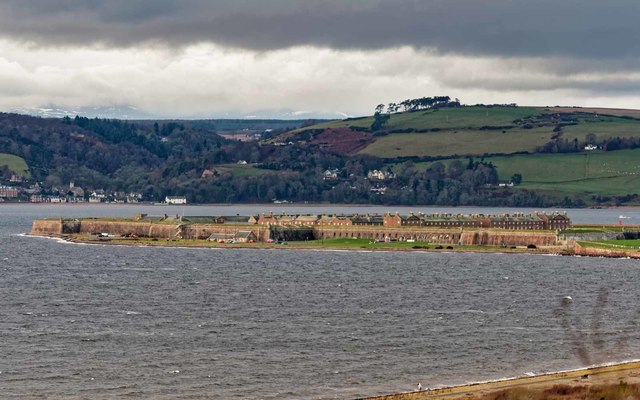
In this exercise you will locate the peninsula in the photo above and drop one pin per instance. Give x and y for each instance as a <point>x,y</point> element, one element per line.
<point>538,232</point>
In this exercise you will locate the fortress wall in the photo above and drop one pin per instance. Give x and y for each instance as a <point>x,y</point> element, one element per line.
<point>443,236</point>
<point>492,237</point>
<point>143,229</point>
<point>123,227</point>
<point>46,227</point>
<point>203,231</point>
<point>508,238</point>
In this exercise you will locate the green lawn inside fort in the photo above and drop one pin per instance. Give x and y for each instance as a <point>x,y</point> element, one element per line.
<point>630,244</point>
<point>598,228</point>
<point>328,244</point>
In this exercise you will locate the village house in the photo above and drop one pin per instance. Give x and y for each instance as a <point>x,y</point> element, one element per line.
<point>330,175</point>
<point>8,192</point>
<point>16,178</point>
<point>207,173</point>
<point>175,200</point>
<point>379,175</point>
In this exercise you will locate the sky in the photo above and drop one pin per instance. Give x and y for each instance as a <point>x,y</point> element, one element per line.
<point>312,58</point>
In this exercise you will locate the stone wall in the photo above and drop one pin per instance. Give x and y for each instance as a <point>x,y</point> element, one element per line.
<point>47,227</point>
<point>483,237</point>
<point>117,228</point>
<point>487,237</point>
<point>203,231</point>
<point>142,229</point>
<point>594,236</point>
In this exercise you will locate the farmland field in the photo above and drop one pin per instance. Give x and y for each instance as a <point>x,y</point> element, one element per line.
<point>16,164</point>
<point>609,128</point>
<point>241,169</point>
<point>446,143</point>
<point>445,118</point>
<point>611,173</point>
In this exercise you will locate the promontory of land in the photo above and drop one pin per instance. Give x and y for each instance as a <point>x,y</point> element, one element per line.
<point>552,233</point>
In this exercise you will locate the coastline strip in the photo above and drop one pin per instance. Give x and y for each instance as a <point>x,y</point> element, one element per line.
<point>582,376</point>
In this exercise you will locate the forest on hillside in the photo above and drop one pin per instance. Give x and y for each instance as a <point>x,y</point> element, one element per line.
<point>190,158</point>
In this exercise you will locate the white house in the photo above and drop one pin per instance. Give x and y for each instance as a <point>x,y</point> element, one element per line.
<point>175,200</point>
<point>379,175</point>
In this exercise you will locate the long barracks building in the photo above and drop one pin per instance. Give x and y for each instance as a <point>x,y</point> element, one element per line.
<point>535,221</point>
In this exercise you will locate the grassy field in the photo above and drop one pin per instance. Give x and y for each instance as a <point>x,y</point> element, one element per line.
<point>464,130</point>
<point>460,142</point>
<point>16,164</point>
<point>445,118</point>
<point>608,127</point>
<point>241,169</point>
<point>611,173</point>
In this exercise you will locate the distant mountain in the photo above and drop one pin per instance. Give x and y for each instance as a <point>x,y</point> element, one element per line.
<point>114,112</point>
<point>127,112</point>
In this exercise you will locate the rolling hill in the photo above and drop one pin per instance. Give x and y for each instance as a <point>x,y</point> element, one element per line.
<point>545,145</point>
<point>480,130</point>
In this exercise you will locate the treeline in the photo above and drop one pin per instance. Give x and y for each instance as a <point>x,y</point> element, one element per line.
<point>169,158</point>
<point>562,145</point>
<point>422,103</point>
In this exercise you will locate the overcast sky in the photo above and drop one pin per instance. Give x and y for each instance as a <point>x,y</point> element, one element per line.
<point>306,58</point>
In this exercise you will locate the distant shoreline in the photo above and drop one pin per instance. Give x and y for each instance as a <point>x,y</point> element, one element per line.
<point>294,204</point>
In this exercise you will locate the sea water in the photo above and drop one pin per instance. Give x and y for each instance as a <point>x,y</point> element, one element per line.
<point>92,321</point>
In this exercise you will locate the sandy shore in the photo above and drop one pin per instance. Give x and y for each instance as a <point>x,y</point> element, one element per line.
<point>611,374</point>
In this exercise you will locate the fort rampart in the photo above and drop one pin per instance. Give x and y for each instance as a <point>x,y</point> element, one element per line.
<point>140,228</point>
<point>453,236</point>
<point>445,236</point>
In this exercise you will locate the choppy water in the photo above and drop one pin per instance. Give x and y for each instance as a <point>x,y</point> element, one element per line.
<point>85,321</point>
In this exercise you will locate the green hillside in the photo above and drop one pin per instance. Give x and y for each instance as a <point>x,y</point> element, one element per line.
<point>479,130</point>
<point>597,173</point>
<point>445,118</point>
<point>460,142</point>
<point>545,145</point>
<point>16,164</point>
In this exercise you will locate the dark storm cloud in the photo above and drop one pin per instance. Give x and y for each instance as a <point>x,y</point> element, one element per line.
<point>568,28</point>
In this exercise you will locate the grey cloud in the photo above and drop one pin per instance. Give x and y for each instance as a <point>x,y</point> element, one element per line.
<point>570,28</point>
